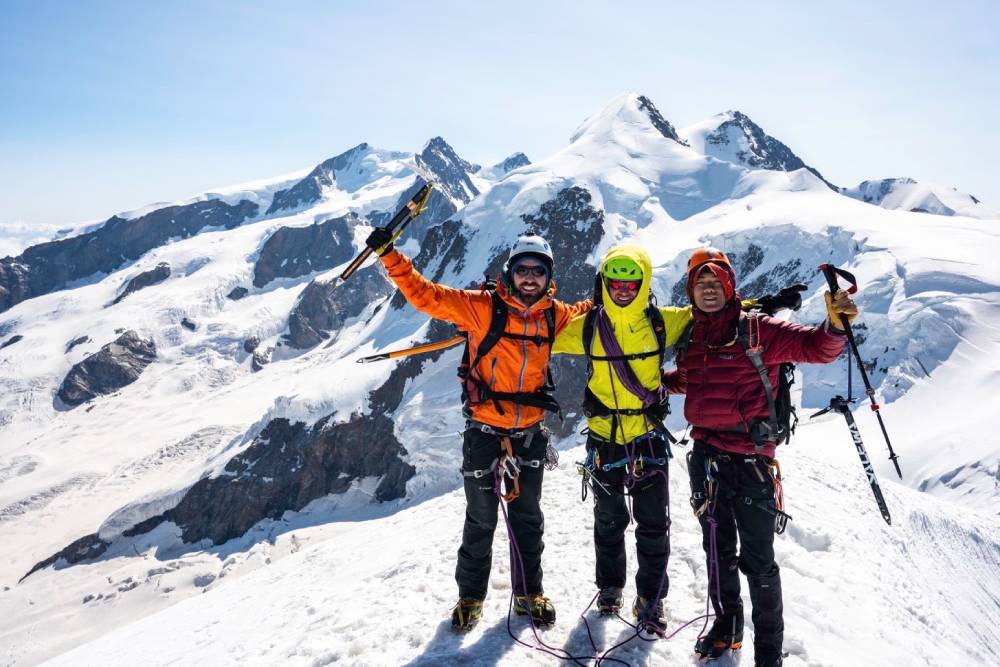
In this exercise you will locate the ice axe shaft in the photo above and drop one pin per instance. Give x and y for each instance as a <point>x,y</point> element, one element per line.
<point>831,273</point>
<point>417,349</point>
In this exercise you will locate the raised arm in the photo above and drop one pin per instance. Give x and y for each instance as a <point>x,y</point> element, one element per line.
<point>466,308</point>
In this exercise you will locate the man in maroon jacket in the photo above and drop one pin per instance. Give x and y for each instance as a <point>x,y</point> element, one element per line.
<point>730,407</point>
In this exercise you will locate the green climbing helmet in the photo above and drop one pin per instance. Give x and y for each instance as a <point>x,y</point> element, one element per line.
<point>622,268</point>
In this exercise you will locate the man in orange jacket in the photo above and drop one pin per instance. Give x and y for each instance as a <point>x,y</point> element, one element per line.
<point>505,393</point>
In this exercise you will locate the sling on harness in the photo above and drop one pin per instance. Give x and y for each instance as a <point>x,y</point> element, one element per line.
<point>781,417</point>
<point>656,406</point>
<point>475,390</point>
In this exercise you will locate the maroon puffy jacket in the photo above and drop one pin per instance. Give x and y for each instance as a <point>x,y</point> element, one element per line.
<point>724,389</point>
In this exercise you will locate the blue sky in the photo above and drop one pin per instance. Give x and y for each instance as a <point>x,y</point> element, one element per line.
<point>107,106</point>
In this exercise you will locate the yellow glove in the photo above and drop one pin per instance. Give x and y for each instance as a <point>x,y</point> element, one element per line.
<point>840,304</point>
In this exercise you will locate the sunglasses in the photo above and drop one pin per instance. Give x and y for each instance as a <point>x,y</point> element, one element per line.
<point>537,271</point>
<point>631,285</point>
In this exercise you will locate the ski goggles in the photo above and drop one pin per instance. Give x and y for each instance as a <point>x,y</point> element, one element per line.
<point>630,285</point>
<point>537,270</point>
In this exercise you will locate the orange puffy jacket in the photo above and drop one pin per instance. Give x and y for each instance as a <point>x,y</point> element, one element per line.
<point>512,365</point>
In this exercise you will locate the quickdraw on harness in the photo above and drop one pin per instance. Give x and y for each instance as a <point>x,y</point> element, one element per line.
<point>508,465</point>
<point>702,500</point>
<point>781,417</point>
<point>656,406</point>
<point>475,390</point>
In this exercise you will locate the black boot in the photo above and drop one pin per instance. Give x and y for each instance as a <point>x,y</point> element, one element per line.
<point>725,634</point>
<point>537,607</point>
<point>609,600</point>
<point>650,615</point>
<point>466,614</point>
<point>768,624</point>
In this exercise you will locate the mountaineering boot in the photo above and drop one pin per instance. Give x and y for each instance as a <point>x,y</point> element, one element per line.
<point>649,614</point>
<point>537,607</point>
<point>466,614</point>
<point>768,624</point>
<point>609,600</point>
<point>725,634</point>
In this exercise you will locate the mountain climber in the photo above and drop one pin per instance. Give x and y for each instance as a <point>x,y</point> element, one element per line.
<point>625,403</point>
<point>505,392</point>
<point>728,365</point>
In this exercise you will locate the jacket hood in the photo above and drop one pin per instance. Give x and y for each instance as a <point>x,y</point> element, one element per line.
<point>636,309</point>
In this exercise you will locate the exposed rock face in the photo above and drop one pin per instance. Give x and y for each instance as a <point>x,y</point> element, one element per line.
<point>762,151</point>
<point>288,466</point>
<point>310,189</point>
<point>116,365</point>
<point>251,344</point>
<point>452,171</point>
<point>260,359</point>
<point>48,267</point>
<point>188,324</point>
<point>237,293</point>
<point>80,340</point>
<point>658,121</point>
<point>322,308</point>
<point>297,251</point>
<point>513,162</point>
<point>10,341</point>
<point>85,548</point>
<point>145,279</point>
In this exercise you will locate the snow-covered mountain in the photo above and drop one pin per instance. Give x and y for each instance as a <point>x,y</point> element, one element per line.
<point>905,194</point>
<point>731,136</point>
<point>254,461</point>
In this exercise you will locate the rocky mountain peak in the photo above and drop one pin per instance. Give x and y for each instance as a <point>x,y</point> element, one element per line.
<point>450,171</point>
<point>657,119</point>
<point>733,137</point>
<point>622,115</point>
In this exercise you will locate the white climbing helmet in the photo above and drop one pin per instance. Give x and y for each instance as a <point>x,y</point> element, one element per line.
<point>529,244</point>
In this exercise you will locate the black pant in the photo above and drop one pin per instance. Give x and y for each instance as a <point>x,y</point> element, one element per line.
<point>743,506</point>
<point>649,508</point>
<point>475,556</point>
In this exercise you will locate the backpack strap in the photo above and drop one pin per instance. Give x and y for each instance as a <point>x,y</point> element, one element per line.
<point>683,341</point>
<point>749,337</point>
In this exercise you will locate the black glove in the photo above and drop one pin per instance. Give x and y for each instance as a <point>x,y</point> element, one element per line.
<point>789,297</point>
<point>380,240</point>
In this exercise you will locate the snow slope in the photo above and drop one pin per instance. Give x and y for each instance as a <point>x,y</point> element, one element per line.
<point>906,194</point>
<point>325,582</point>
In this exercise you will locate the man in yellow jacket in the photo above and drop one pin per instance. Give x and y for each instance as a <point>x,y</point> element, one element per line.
<point>624,338</point>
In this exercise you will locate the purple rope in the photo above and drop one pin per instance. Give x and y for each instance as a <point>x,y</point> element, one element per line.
<point>518,562</point>
<point>612,349</point>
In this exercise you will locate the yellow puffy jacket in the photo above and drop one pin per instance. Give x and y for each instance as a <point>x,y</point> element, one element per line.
<point>635,335</point>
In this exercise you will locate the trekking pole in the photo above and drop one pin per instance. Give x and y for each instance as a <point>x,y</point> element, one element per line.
<point>841,405</point>
<point>399,222</point>
<point>831,272</point>
<point>416,349</point>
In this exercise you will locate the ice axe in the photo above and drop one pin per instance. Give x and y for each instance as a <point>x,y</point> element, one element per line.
<point>831,272</point>
<point>399,222</point>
